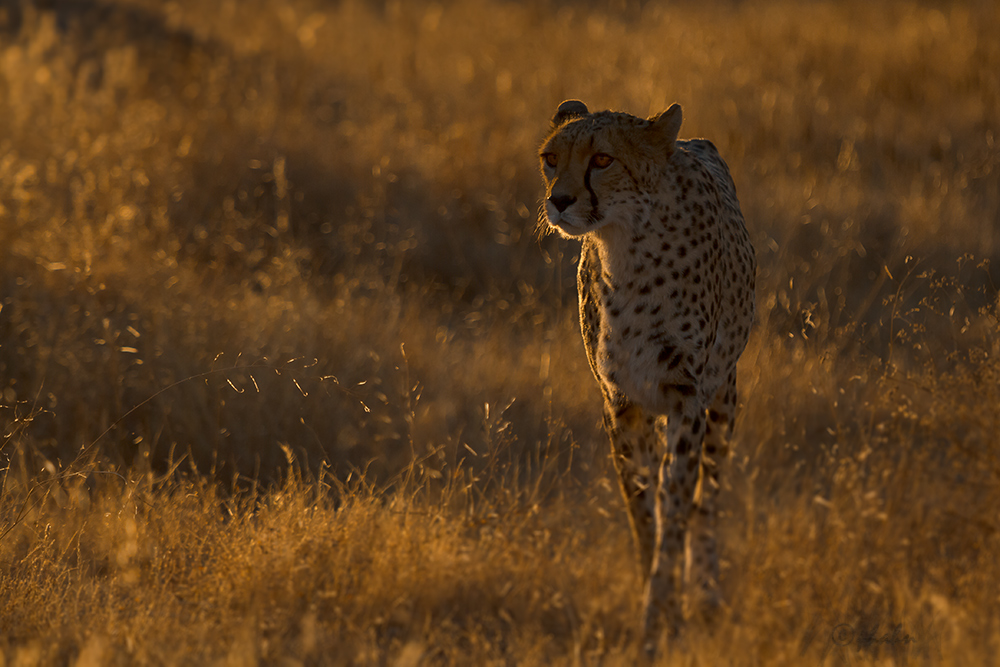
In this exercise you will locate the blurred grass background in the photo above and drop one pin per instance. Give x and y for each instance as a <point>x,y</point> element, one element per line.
<point>285,373</point>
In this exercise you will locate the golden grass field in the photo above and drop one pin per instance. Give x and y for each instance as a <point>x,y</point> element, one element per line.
<point>287,376</point>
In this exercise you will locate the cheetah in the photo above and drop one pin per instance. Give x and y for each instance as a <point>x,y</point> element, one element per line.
<point>666,288</point>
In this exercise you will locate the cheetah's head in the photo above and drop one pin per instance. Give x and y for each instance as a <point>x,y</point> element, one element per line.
<point>597,166</point>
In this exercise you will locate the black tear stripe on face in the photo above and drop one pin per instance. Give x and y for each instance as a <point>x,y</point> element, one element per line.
<point>586,176</point>
<point>586,184</point>
<point>586,180</point>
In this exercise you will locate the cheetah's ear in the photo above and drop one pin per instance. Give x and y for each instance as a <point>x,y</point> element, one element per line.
<point>567,110</point>
<point>668,125</point>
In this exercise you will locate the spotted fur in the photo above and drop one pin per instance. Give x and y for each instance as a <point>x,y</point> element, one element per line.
<point>666,288</point>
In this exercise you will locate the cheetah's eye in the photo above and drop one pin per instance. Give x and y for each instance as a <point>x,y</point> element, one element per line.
<point>550,159</point>
<point>601,160</point>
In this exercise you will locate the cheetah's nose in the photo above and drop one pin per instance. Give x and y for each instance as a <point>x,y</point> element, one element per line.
<point>561,202</point>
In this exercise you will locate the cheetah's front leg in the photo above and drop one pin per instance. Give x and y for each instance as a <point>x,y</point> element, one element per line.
<point>633,443</point>
<point>702,562</point>
<point>678,476</point>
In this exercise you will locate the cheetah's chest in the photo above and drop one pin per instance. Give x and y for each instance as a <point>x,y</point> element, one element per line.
<point>643,329</point>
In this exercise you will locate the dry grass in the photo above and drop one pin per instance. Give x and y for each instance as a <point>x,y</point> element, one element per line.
<point>286,378</point>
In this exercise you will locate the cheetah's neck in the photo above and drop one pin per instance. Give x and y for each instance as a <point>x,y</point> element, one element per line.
<point>621,245</point>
